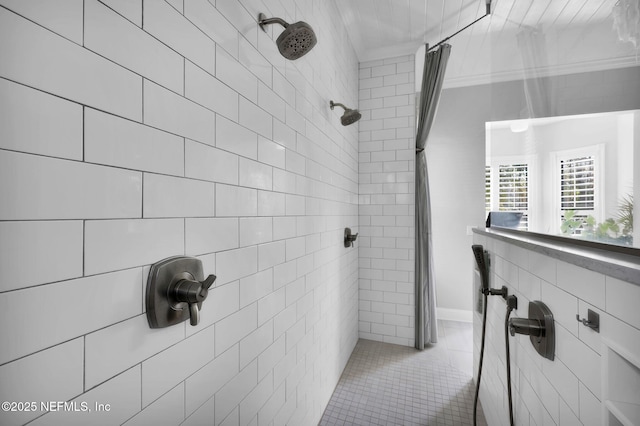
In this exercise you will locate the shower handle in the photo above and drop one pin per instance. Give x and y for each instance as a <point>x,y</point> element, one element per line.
<point>193,293</point>
<point>540,327</point>
<point>526,326</point>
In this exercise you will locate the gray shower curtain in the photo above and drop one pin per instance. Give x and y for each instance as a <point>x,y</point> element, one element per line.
<point>435,64</point>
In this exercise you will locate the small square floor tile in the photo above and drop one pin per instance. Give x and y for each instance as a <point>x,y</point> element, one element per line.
<point>386,384</point>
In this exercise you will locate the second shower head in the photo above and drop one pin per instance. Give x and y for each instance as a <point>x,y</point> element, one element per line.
<point>350,116</point>
<point>295,41</point>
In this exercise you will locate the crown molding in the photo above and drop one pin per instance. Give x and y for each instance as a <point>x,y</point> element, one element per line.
<point>498,76</point>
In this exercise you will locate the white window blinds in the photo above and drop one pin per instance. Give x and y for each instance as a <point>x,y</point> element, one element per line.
<point>577,193</point>
<point>487,188</point>
<point>507,190</point>
<point>577,183</point>
<point>513,190</point>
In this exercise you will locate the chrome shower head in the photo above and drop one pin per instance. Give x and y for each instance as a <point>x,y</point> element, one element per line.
<point>350,116</point>
<point>295,41</point>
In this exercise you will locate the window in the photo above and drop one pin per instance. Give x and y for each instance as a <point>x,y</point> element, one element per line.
<point>577,183</point>
<point>577,194</point>
<point>514,190</point>
<point>581,175</point>
<point>510,192</point>
<point>487,189</point>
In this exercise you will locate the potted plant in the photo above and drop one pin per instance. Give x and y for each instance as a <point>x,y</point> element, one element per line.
<point>617,231</point>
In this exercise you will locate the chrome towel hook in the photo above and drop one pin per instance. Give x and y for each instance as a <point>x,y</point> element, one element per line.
<point>592,321</point>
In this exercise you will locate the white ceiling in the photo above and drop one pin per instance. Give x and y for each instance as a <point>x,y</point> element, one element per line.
<point>573,30</point>
<point>377,25</point>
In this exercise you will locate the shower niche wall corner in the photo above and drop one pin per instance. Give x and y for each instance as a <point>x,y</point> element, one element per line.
<point>621,385</point>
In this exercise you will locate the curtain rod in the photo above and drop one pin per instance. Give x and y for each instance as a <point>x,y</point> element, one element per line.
<point>456,33</point>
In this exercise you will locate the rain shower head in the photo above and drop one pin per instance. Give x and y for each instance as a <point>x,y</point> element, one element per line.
<point>295,41</point>
<point>350,116</point>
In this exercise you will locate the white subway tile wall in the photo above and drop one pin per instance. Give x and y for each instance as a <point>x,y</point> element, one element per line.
<point>60,121</point>
<point>122,393</point>
<point>386,237</point>
<point>131,131</point>
<point>44,60</point>
<point>568,390</point>
<point>62,367</point>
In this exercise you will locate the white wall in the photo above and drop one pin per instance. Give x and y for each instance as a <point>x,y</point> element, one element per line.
<point>569,389</point>
<point>386,240</point>
<point>129,134</point>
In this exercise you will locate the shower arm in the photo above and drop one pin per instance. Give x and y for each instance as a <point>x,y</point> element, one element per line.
<point>488,12</point>
<point>268,21</point>
<point>334,104</point>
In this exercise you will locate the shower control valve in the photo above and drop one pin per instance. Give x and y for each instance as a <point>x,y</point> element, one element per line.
<point>176,289</point>
<point>539,327</point>
<point>349,238</point>
<point>526,326</point>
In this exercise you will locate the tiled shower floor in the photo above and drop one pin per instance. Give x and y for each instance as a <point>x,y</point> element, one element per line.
<point>385,384</point>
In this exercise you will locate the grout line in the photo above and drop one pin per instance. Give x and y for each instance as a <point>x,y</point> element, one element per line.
<point>84,363</point>
<point>142,407</point>
<point>84,20</point>
<point>84,136</point>
<point>84,246</point>
<point>142,120</point>
<point>143,174</point>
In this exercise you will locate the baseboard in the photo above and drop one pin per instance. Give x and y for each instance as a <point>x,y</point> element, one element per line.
<point>454,314</point>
